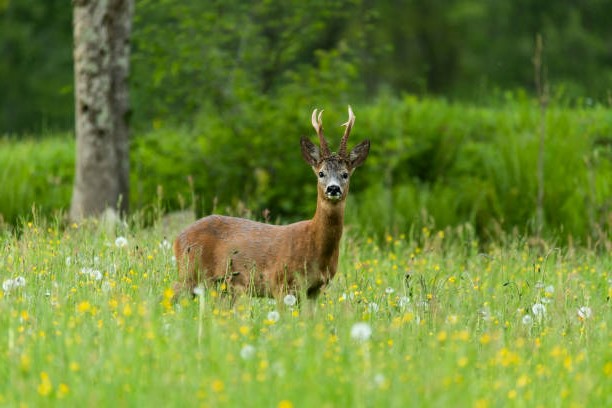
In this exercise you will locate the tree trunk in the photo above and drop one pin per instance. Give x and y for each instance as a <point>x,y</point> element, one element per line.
<point>101,64</point>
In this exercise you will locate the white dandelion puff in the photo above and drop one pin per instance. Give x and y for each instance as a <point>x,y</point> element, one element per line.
<point>247,352</point>
<point>165,244</point>
<point>389,290</point>
<point>92,273</point>
<point>539,310</point>
<point>7,285</point>
<point>403,301</point>
<point>68,261</point>
<point>19,282</point>
<point>198,291</point>
<point>120,242</point>
<point>373,307</point>
<point>379,380</point>
<point>584,312</point>
<point>550,289</point>
<point>106,286</point>
<point>290,300</point>
<point>527,320</point>
<point>273,316</point>
<point>361,331</point>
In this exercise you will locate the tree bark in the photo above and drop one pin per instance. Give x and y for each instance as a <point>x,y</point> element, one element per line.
<point>101,63</point>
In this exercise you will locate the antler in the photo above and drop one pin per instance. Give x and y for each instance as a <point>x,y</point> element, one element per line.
<point>349,125</point>
<point>317,123</point>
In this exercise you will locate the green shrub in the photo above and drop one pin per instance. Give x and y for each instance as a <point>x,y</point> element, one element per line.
<point>433,163</point>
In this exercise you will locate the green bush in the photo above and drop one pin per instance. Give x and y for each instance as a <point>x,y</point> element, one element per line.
<point>433,163</point>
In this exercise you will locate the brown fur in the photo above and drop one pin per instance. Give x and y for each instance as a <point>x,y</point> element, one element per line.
<point>271,260</point>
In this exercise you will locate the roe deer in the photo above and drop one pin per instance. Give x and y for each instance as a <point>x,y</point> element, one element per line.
<point>272,260</point>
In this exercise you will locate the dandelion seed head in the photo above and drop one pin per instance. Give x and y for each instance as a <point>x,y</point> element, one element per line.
<point>361,331</point>
<point>373,307</point>
<point>7,285</point>
<point>273,316</point>
<point>19,282</point>
<point>403,301</point>
<point>290,300</point>
<point>389,290</point>
<point>165,244</point>
<point>539,310</point>
<point>379,379</point>
<point>584,312</point>
<point>527,320</point>
<point>247,352</point>
<point>121,242</point>
<point>198,291</point>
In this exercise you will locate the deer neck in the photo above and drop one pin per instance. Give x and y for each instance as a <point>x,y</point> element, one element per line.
<point>327,227</point>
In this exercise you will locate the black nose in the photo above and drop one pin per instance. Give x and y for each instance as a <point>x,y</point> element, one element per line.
<point>333,190</point>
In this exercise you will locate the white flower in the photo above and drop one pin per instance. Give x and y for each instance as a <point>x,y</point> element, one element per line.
<point>198,291</point>
<point>584,312</point>
<point>373,307</point>
<point>361,331</point>
<point>165,244</point>
<point>485,312</point>
<point>92,273</point>
<point>19,282</point>
<point>539,310</point>
<point>247,352</point>
<point>545,300</point>
<point>7,285</point>
<point>68,261</point>
<point>106,286</point>
<point>527,320</point>
<point>120,242</point>
<point>290,300</point>
<point>273,316</point>
<point>389,290</point>
<point>379,380</point>
<point>403,301</point>
<point>550,289</point>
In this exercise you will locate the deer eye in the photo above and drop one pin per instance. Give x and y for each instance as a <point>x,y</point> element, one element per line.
<point>321,174</point>
<point>345,175</point>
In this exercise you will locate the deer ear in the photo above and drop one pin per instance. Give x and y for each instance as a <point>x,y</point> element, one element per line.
<point>310,152</point>
<point>359,153</point>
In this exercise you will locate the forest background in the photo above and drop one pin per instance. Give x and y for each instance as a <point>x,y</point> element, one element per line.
<point>222,90</point>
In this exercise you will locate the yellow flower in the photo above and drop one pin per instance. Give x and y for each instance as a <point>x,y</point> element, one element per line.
<point>127,310</point>
<point>608,369</point>
<point>84,307</point>
<point>285,404</point>
<point>62,390</point>
<point>485,338</point>
<point>218,386</point>
<point>45,387</point>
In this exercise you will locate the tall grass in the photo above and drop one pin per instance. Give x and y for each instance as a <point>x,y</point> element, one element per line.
<point>85,320</point>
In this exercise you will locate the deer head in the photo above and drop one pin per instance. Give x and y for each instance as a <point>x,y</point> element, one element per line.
<point>333,169</point>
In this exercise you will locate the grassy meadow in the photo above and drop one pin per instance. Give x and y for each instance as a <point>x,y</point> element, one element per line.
<point>433,318</point>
